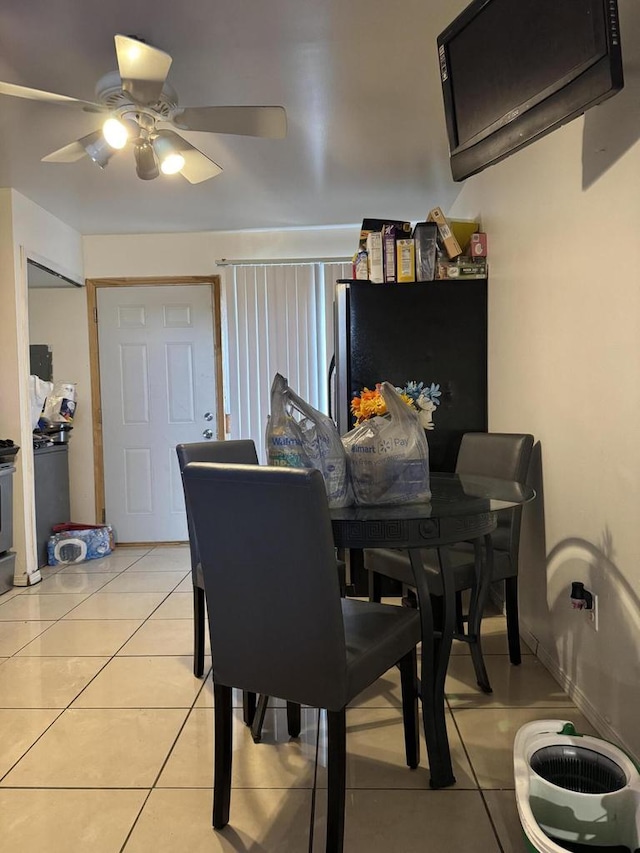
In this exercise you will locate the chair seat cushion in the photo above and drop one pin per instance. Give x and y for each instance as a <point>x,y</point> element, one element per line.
<point>377,636</point>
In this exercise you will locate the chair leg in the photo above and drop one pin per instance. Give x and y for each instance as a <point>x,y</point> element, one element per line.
<point>513,624</point>
<point>223,749</point>
<point>375,587</point>
<point>258,718</point>
<point>479,595</point>
<point>198,632</point>
<point>435,656</point>
<point>336,779</point>
<point>409,682</point>
<point>459,614</point>
<point>294,720</point>
<point>248,707</point>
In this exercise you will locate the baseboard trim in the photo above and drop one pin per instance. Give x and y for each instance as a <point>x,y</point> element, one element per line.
<point>602,726</point>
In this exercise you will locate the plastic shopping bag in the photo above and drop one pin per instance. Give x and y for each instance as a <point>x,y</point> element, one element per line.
<point>300,436</point>
<point>389,456</point>
<point>38,390</point>
<point>60,405</point>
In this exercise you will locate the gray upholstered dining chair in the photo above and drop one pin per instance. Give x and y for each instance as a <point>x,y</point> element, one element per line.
<point>504,456</point>
<point>278,625</point>
<point>243,452</point>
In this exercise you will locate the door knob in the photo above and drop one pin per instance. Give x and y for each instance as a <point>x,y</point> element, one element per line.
<point>208,433</point>
<point>208,416</point>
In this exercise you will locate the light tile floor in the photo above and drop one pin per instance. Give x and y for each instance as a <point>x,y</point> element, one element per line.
<point>106,736</point>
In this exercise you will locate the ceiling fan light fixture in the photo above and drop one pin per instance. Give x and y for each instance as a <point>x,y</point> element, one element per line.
<point>171,160</point>
<point>99,151</point>
<point>118,131</point>
<point>146,163</point>
<point>172,164</point>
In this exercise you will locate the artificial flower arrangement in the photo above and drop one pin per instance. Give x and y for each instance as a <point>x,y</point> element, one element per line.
<point>420,396</point>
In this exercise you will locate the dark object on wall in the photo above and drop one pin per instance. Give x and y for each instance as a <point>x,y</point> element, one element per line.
<point>513,72</point>
<point>41,361</point>
<point>423,332</point>
<point>51,465</point>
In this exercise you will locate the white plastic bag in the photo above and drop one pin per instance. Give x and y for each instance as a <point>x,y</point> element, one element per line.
<point>60,405</point>
<point>300,436</point>
<point>38,390</point>
<point>389,456</point>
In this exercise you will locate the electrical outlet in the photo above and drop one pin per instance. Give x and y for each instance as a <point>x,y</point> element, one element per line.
<point>592,614</point>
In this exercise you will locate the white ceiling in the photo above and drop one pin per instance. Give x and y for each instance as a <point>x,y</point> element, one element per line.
<point>358,78</point>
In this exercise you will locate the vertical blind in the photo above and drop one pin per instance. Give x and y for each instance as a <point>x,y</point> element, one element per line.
<point>277,318</point>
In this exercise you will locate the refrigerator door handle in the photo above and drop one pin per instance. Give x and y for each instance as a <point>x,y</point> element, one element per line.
<point>331,374</point>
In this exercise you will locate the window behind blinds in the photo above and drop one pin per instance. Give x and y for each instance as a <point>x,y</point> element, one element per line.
<point>276,319</point>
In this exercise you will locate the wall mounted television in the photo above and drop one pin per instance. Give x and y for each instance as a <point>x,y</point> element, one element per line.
<point>514,70</point>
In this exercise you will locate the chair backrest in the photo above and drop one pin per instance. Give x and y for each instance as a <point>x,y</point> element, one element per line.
<point>241,452</point>
<point>505,456</point>
<point>271,584</point>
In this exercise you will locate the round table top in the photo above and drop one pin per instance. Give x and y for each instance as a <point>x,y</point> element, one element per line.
<point>451,495</point>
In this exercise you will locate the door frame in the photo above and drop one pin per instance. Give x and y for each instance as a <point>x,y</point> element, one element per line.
<point>92,285</point>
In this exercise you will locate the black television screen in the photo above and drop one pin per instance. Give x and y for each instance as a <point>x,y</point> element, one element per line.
<point>514,70</point>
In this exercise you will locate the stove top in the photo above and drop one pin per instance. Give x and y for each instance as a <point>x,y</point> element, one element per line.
<point>8,450</point>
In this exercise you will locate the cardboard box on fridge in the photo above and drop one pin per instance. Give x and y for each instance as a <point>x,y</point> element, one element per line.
<point>462,230</point>
<point>461,268</point>
<point>451,245</point>
<point>478,245</point>
<point>390,235</point>
<point>374,257</point>
<point>406,260</point>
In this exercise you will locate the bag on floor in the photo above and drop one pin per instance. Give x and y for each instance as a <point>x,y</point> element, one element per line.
<point>75,546</point>
<point>299,436</point>
<point>388,455</point>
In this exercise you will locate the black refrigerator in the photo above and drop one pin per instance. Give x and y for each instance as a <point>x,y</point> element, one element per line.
<point>431,332</point>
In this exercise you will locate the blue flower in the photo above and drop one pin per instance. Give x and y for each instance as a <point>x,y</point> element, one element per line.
<point>432,393</point>
<point>413,390</point>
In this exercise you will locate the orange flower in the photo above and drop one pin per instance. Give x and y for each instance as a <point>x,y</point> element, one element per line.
<point>371,403</point>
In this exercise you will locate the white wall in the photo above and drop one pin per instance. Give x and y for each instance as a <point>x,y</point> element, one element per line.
<point>564,334</point>
<point>26,230</point>
<point>196,254</point>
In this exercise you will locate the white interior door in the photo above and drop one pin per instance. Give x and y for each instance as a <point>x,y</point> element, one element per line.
<point>158,389</point>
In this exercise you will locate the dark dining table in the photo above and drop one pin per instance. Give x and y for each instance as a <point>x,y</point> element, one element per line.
<point>462,508</point>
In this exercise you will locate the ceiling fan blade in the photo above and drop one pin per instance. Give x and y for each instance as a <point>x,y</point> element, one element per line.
<point>270,122</point>
<point>143,69</point>
<point>69,154</point>
<point>51,97</point>
<point>94,146</point>
<point>197,166</point>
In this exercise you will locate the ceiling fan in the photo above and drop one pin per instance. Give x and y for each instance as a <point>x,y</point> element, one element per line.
<point>139,104</point>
